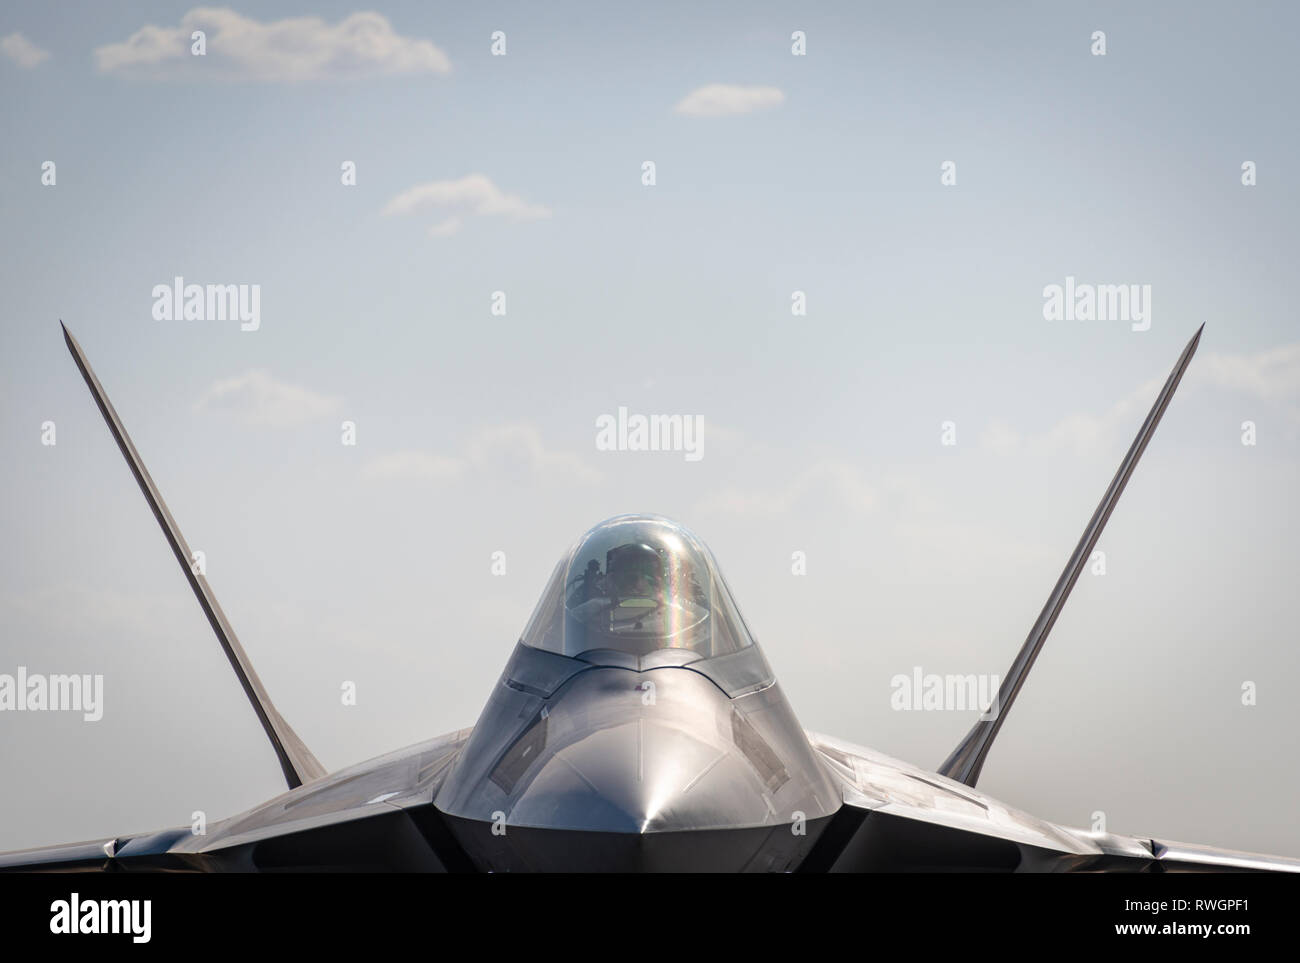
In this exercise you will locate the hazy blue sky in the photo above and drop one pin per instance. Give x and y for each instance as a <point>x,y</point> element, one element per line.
<point>476,433</point>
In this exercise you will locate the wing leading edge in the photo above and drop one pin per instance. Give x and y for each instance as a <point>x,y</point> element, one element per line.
<point>899,818</point>
<point>376,816</point>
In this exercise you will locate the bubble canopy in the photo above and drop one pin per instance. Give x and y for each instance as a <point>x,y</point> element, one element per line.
<point>637,584</point>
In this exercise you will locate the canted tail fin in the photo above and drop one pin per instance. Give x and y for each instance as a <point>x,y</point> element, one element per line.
<point>966,761</point>
<point>296,760</point>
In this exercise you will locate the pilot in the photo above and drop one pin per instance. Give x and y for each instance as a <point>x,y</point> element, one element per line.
<point>589,599</point>
<point>589,582</point>
<point>636,571</point>
<point>647,598</point>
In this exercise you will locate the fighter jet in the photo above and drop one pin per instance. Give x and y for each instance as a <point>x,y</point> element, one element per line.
<point>636,727</point>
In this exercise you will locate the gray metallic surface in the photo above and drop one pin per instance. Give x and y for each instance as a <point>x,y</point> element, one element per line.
<point>620,750</point>
<point>636,702</point>
<point>756,849</point>
<point>895,817</point>
<point>911,819</point>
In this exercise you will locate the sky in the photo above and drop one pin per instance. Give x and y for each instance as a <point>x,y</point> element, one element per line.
<point>484,181</point>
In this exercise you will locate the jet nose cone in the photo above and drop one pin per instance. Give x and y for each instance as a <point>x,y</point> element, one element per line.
<point>630,771</point>
<point>643,776</point>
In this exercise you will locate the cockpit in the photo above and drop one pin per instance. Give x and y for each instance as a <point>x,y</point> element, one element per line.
<point>637,584</point>
<point>637,701</point>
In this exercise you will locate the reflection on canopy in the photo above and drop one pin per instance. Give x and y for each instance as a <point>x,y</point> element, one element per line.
<point>637,584</point>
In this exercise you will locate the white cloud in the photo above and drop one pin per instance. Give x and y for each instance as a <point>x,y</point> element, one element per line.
<point>259,399</point>
<point>473,194</point>
<point>22,51</point>
<point>1272,375</point>
<point>446,228</point>
<point>74,610</point>
<point>720,100</point>
<point>291,50</point>
<point>517,450</point>
<point>415,464</point>
<point>510,452</point>
<point>824,479</point>
<point>1084,433</point>
<point>999,438</point>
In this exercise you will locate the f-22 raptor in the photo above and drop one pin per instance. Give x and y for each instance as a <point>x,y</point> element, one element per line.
<point>637,727</point>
